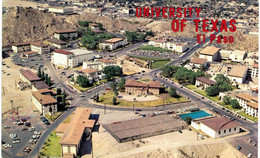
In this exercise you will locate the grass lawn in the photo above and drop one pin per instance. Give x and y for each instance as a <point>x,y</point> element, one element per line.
<point>158,62</point>
<point>54,116</point>
<point>108,97</point>
<point>191,87</point>
<point>228,106</point>
<point>144,80</point>
<point>80,88</point>
<point>255,119</point>
<point>154,49</point>
<point>202,92</point>
<point>51,147</point>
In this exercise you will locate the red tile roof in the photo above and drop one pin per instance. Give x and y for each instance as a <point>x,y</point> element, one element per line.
<point>134,83</point>
<point>253,105</point>
<point>206,80</point>
<point>197,60</point>
<point>29,75</point>
<point>56,41</point>
<point>22,44</point>
<point>88,71</point>
<point>255,65</point>
<point>38,44</point>
<point>30,52</point>
<point>210,50</point>
<point>65,31</point>
<point>218,123</point>
<point>44,98</point>
<point>62,51</point>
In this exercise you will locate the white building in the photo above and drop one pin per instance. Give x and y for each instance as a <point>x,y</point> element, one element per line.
<point>57,43</point>
<point>21,47</point>
<point>89,73</point>
<point>204,82</point>
<point>40,48</point>
<point>216,127</point>
<point>178,47</point>
<point>98,64</point>
<point>198,62</point>
<point>112,44</point>
<point>61,10</point>
<point>237,56</point>
<point>238,73</point>
<point>249,103</point>
<point>67,34</point>
<point>61,58</point>
<point>210,53</point>
<point>254,72</point>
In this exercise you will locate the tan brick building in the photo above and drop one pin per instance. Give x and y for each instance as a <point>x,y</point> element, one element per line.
<point>134,87</point>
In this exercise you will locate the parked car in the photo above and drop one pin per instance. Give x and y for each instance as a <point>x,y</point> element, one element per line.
<point>6,127</point>
<point>249,155</point>
<point>239,147</point>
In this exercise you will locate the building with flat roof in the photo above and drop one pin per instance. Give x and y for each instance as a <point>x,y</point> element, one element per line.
<point>67,34</point>
<point>204,82</point>
<point>28,76</point>
<point>216,127</point>
<point>134,87</point>
<point>79,127</point>
<point>210,53</point>
<point>57,43</point>
<point>21,47</point>
<point>112,44</point>
<point>178,47</point>
<point>61,10</point>
<point>44,101</point>
<point>40,48</point>
<point>38,85</point>
<point>89,73</point>
<point>144,127</point>
<point>238,73</point>
<point>98,64</point>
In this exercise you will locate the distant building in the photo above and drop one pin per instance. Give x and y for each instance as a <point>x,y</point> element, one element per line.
<point>40,48</point>
<point>254,72</point>
<point>57,43</point>
<point>237,56</point>
<point>210,53</point>
<point>44,101</point>
<point>198,62</point>
<point>61,10</point>
<point>38,85</point>
<point>73,133</point>
<point>178,47</point>
<point>134,87</point>
<point>28,76</point>
<point>249,103</point>
<point>112,44</point>
<point>216,127</point>
<point>89,73</point>
<point>204,82</point>
<point>67,34</point>
<point>21,47</point>
<point>238,73</point>
<point>94,26</point>
<point>30,54</point>
<point>98,64</point>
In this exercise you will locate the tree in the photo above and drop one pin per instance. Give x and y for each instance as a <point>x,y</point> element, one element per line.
<point>83,81</point>
<point>49,81</point>
<point>226,100</point>
<point>39,72</point>
<point>188,119</point>
<point>111,71</point>
<point>121,84</point>
<point>173,92</point>
<point>42,75</point>
<point>58,91</point>
<point>97,98</point>
<point>114,100</point>
<point>116,92</point>
<point>234,103</point>
<point>113,86</point>
<point>212,90</point>
<point>221,79</point>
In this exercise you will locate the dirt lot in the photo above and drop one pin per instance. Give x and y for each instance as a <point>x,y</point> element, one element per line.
<point>130,67</point>
<point>14,3</point>
<point>10,92</point>
<point>171,145</point>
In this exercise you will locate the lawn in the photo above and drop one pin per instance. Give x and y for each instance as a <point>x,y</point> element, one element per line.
<point>228,106</point>
<point>108,97</point>
<point>154,49</point>
<point>255,119</point>
<point>54,116</point>
<point>51,147</point>
<point>158,62</point>
<point>191,87</point>
<point>202,92</point>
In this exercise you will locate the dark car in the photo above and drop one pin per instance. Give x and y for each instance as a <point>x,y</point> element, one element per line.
<point>180,131</point>
<point>138,109</point>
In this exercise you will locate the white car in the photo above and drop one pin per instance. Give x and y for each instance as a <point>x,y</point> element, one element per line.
<point>249,155</point>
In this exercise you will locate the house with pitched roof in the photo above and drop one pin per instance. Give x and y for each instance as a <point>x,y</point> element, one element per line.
<point>216,127</point>
<point>73,133</point>
<point>210,53</point>
<point>204,82</point>
<point>134,87</point>
<point>28,76</point>
<point>198,62</point>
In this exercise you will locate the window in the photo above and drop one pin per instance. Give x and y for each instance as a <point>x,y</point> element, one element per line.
<point>230,130</point>
<point>235,128</point>
<point>224,131</point>
<point>219,132</point>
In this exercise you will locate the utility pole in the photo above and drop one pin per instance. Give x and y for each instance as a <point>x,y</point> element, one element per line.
<point>133,108</point>
<point>104,108</point>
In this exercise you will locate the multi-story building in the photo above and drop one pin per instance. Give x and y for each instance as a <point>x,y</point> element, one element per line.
<point>21,47</point>
<point>249,103</point>
<point>57,43</point>
<point>38,85</point>
<point>98,64</point>
<point>67,34</point>
<point>254,72</point>
<point>89,73</point>
<point>216,127</point>
<point>73,133</point>
<point>40,48</point>
<point>210,53</point>
<point>134,87</point>
<point>44,101</point>
<point>112,44</point>
<point>28,76</point>
<point>238,73</point>
<point>61,58</point>
<point>178,47</point>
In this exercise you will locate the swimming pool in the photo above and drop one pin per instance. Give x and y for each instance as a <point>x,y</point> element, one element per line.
<point>195,115</point>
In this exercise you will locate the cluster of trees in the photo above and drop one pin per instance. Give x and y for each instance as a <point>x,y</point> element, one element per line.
<point>173,93</point>
<point>61,99</point>
<point>188,119</point>
<point>83,81</point>
<point>44,77</point>
<point>90,40</point>
<point>223,84</point>
<point>111,71</point>
<point>86,24</point>
<point>233,102</point>
<point>183,75</point>
<point>137,37</point>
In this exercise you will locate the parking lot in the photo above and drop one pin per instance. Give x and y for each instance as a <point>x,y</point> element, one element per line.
<point>19,137</point>
<point>148,53</point>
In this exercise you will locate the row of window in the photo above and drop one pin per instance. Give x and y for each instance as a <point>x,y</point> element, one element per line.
<point>229,130</point>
